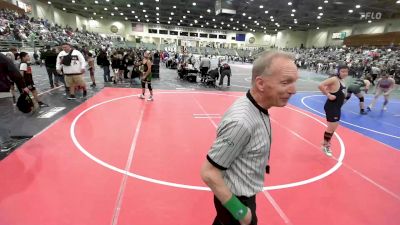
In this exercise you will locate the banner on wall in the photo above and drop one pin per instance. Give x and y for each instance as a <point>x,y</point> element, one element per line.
<point>27,8</point>
<point>341,35</point>
<point>199,30</point>
<point>188,38</point>
<point>240,37</point>
<point>137,27</point>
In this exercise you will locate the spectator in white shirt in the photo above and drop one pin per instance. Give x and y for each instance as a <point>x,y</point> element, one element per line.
<point>72,64</point>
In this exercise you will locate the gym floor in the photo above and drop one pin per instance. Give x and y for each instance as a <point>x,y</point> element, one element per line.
<point>116,159</point>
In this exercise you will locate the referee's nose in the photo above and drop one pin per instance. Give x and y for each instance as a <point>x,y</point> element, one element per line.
<point>292,89</point>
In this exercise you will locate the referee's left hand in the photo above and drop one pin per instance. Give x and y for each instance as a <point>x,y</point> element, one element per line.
<point>247,219</point>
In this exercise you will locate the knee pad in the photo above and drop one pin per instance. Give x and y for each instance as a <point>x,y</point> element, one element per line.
<point>361,99</point>
<point>149,86</point>
<point>143,84</point>
<point>386,102</point>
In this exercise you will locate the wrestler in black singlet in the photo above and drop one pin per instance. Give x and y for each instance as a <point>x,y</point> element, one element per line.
<point>332,108</point>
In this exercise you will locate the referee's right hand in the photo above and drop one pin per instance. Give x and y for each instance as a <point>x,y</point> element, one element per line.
<point>26,90</point>
<point>247,219</point>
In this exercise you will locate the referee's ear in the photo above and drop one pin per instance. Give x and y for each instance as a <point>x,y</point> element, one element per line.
<point>259,83</point>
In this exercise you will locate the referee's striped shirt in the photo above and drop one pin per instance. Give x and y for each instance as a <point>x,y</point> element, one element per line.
<point>242,147</point>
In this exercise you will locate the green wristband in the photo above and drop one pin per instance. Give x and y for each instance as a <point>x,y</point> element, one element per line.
<point>236,208</point>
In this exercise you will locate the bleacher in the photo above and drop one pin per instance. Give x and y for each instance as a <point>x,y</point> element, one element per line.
<point>255,52</point>
<point>167,46</point>
<point>223,51</point>
<point>148,46</point>
<point>240,52</point>
<point>20,31</point>
<point>384,39</point>
<point>211,51</point>
<point>231,52</point>
<point>220,51</point>
<point>5,45</point>
<point>202,50</point>
<point>193,50</point>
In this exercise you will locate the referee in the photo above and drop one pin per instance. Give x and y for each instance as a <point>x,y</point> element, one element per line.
<point>238,159</point>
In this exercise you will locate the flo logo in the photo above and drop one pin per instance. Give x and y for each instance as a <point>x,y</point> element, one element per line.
<point>370,15</point>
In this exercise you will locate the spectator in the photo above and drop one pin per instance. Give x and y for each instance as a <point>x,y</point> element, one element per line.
<point>8,72</point>
<point>71,63</point>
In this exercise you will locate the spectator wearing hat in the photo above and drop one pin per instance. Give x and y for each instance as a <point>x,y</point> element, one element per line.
<point>72,64</point>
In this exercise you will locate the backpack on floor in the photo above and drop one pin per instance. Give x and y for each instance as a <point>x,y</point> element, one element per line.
<point>25,103</point>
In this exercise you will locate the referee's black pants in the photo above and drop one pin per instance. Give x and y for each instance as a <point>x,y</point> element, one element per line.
<point>204,71</point>
<point>224,217</point>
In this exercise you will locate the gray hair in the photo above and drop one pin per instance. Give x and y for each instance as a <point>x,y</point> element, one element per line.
<point>262,65</point>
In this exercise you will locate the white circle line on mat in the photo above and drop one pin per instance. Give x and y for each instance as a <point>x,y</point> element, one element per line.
<point>193,187</point>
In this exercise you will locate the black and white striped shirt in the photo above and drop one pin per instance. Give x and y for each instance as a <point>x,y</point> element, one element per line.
<point>242,147</point>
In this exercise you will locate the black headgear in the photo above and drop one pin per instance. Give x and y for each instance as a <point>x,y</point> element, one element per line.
<point>341,66</point>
